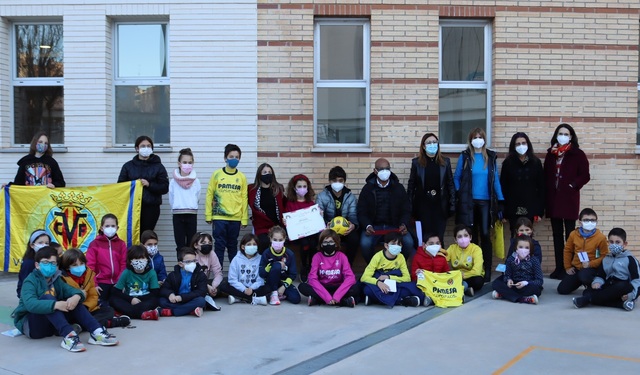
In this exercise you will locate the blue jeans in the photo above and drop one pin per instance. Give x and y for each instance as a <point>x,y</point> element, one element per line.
<point>225,236</point>
<point>38,326</point>
<point>368,243</point>
<point>182,308</point>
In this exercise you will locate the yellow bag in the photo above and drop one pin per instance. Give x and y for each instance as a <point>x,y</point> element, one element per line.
<point>497,239</point>
<point>445,289</point>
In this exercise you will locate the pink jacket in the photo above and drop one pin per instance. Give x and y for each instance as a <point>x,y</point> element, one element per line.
<point>331,271</point>
<point>108,258</point>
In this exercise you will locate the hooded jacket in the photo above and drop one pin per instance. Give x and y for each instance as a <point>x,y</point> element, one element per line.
<point>89,287</point>
<point>400,208</point>
<point>424,261</point>
<point>108,258</point>
<point>174,280</point>
<point>623,266</point>
<point>151,170</point>
<point>243,272</point>
<point>327,204</point>
<point>35,171</point>
<point>595,246</point>
<point>157,264</point>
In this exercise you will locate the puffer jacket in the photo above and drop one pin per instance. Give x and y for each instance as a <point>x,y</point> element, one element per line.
<point>327,204</point>
<point>151,170</point>
<point>108,258</point>
<point>400,209</point>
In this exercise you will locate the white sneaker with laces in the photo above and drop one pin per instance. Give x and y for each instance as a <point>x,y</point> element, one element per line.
<point>103,338</point>
<point>259,300</point>
<point>211,303</point>
<point>232,299</point>
<point>427,301</point>
<point>72,343</point>
<point>274,300</point>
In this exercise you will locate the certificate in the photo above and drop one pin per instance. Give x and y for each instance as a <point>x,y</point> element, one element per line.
<point>304,222</point>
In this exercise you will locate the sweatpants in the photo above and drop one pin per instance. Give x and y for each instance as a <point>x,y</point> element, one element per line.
<point>513,294</point>
<point>307,290</point>
<point>404,290</point>
<point>274,281</point>
<point>609,294</point>
<point>225,287</point>
<point>37,326</point>
<point>123,306</point>
<point>572,282</point>
<point>182,308</point>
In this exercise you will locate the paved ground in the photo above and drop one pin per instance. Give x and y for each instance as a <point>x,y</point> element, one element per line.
<point>482,337</point>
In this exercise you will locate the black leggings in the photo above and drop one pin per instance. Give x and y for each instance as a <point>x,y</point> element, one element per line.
<point>225,287</point>
<point>561,229</point>
<point>125,307</point>
<point>481,233</point>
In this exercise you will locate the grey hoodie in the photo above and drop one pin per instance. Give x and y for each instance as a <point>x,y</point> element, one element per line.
<point>623,267</point>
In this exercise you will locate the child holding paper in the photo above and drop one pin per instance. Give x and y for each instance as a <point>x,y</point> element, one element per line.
<point>300,195</point>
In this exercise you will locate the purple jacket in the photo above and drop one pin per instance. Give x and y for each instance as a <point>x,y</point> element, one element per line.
<point>563,201</point>
<point>332,271</point>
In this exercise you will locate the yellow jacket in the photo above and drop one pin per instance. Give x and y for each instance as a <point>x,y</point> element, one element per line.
<point>468,260</point>
<point>89,287</point>
<point>229,193</point>
<point>380,262</point>
<point>595,246</point>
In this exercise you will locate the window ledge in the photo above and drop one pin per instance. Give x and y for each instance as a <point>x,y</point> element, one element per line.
<point>130,149</point>
<point>637,149</point>
<point>25,150</point>
<point>452,148</point>
<point>342,149</point>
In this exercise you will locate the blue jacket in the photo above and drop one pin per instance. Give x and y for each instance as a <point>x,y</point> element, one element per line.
<point>157,264</point>
<point>327,204</point>
<point>27,266</point>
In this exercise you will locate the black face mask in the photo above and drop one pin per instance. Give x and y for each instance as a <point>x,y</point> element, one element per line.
<point>329,249</point>
<point>266,178</point>
<point>206,249</point>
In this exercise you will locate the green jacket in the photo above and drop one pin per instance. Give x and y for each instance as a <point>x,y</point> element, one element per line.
<point>34,287</point>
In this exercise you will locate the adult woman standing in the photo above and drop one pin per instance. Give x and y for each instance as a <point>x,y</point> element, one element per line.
<point>479,194</point>
<point>431,189</point>
<point>522,180</point>
<point>39,168</point>
<point>147,167</point>
<point>266,203</point>
<point>566,171</point>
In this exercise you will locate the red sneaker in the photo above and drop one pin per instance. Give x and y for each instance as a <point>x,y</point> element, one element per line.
<point>166,312</point>
<point>197,312</point>
<point>150,315</point>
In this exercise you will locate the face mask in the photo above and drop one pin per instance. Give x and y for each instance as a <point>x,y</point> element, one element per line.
<point>277,245</point>
<point>145,152</point>
<point>232,163</point>
<point>109,231</point>
<point>78,270</point>
<point>190,267</point>
<point>337,186</point>
<point>523,253</point>
<point>431,148</point>
<point>463,242</point>
<point>152,250</point>
<point>563,139</point>
<point>522,149</point>
<point>186,168</point>
<point>589,226</point>
<point>48,270</point>
<point>395,249</point>
<point>301,192</point>
<point>41,147</point>
<point>251,250</point>
<point>615,249</point>
<point>206,249</point>
<point>38,246</point>
<point>139,264</point>
<point>266,178</point>
<point>477,142</point>
<point>384,174</point>
<point>328,248</point>
<point>433,249</point>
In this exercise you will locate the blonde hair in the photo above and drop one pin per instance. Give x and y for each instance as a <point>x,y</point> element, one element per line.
<point>483,134</point>
<point>277,229</point>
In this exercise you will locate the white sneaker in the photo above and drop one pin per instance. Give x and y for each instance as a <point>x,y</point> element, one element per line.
<point>211,303</point>
<point>259,300</point>
<point>72,343</point>
<point>232,299</point>
<point>274,300</point>
<point>366,300</point>
<point>103,338</point>
<point>495,295</point>
<point>427,301</point>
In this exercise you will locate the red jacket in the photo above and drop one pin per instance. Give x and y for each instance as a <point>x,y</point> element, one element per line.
<point>260,221</point>
<point>108,258</point>
<point>424,261</point>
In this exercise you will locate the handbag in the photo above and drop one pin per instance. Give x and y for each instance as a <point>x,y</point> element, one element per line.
<point>497,239</point>
<point>445,289</point>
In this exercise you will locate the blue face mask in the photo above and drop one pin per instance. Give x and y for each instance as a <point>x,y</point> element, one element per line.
<point>431,148</point>
<point>78,270</point>
<point>48,270</point>
<point>232,163</point>
<point>615,249</point>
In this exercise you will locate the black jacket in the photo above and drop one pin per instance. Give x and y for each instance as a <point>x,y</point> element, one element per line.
<point>464,195</point>
<point>400,208</point>
<point>417,194</point>
<point>151,170</point>
<point>522,186</point>
<point>49,171</point>
<point>174,279</point>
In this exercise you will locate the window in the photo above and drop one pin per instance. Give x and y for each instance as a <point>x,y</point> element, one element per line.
<point>465,76</point>
<point>38,82</point>
<point>638,131</point>
<point>341,83</point>
<point>141,83</point>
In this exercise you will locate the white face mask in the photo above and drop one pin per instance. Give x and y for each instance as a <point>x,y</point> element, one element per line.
<point>190,267</point>
<point>139,264</point>
<point>522,149</point>
<point>395,249</point>
<point>384,175</point>
<point>477,142</point>
<point>38,246</point>
<point>109,231</point>
<point>251,250</point>
<point>152,250</point>
<point>589,226</point>
<point>433,249</point>
<point>563,139</point>
<point>145,152</point>
<point>337,186</point>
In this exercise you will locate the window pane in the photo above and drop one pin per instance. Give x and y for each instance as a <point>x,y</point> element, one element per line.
<point>142,110</point>
<point>463,54</point>
<point>141,51</point>
<point>38,108</point>
<point>341,115</point>
<point>460,111</point>
<point>39,51</point>
<point>341,52</point>
<point>638,132</point>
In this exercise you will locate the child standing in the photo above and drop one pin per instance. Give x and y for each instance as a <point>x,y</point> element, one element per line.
<point>331,279</point>
<point>227,204</point>
<point>208,261</point>
<point>389,264</point>
<point>184,198</point>
<point>107,256</point>
<point>46,303</point>
<point>244,282</point>
<point>617,279</point>
<point>466,257</point>
<point>149,239</point>
<point>278,268</point>
<point>523,278</point>
<point>136,293</point>
<point>186,287</point>
<point>37,240</point>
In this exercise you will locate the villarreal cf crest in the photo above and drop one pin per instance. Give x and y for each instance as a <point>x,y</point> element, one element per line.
<point>70,222</point>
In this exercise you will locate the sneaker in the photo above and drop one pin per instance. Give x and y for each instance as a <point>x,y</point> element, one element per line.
<point>166,312</point>
<point>348,302</point>
<point>532,300</point>
<point>211,303</point>
<point>366,300</point>
<point>259,300</point>
<point>232,299</point>
<point>197,312</point>
<point>311,301</point>
<point>150,315</point>
<point>304,275</point>
<point>413,301</point>
<point>77,328</point>
<point>427,301</point>
<point>282,297</point>
<point>469,291</point>
<point>274,300</point>
<point>103,338</point>
<point>120,321</point>
<point>628,305</point>
<point>72,343</point>
<point>579,302</point>
<point>495,295</point>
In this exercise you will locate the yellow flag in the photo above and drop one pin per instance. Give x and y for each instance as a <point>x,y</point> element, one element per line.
<point>70,216</point>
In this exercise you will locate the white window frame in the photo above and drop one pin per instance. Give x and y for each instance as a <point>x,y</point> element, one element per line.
<point>363,83</point>
<point>638,129</point>
<point>476,85</point>
<point>28,81</point>
<point>136,81</point>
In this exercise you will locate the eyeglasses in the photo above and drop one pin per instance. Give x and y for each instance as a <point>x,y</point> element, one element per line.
<point>589,221</point>
<point>431,143</point>
<point>48,262</point>
<point>328,243</point>
<point>189,261</point>
<point>383,169</point>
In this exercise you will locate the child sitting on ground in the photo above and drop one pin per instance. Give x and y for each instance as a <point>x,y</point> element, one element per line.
<point>524,227</point>
<point>617,278</point>
<point>149,239</point>
<point>523,278</point>
<point>466,257</point>
<point>244,282</point>
<point>185,288</point>
<point>203,244</point>
<point>429,257</point>
<point>278,268</point>
<point>37,240</point>
<point>389,264</point>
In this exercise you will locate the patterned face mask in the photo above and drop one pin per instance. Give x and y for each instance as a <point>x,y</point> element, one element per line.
<point>615,249</point>
<point>139,264</point>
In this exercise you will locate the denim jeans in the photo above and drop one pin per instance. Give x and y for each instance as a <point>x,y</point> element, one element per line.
<point>38,326</point>
<point>368,243</point>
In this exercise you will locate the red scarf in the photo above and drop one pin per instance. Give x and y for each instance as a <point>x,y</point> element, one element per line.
<point>184,181</point>
<point>559,152</point>
<point>78,280</point>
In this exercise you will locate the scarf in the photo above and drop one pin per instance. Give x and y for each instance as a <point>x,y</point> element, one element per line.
<point>78,280</point>
<point>257,204</point>
<point>559,151</point>
<point>185,182</point>
<point>586,234</point>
